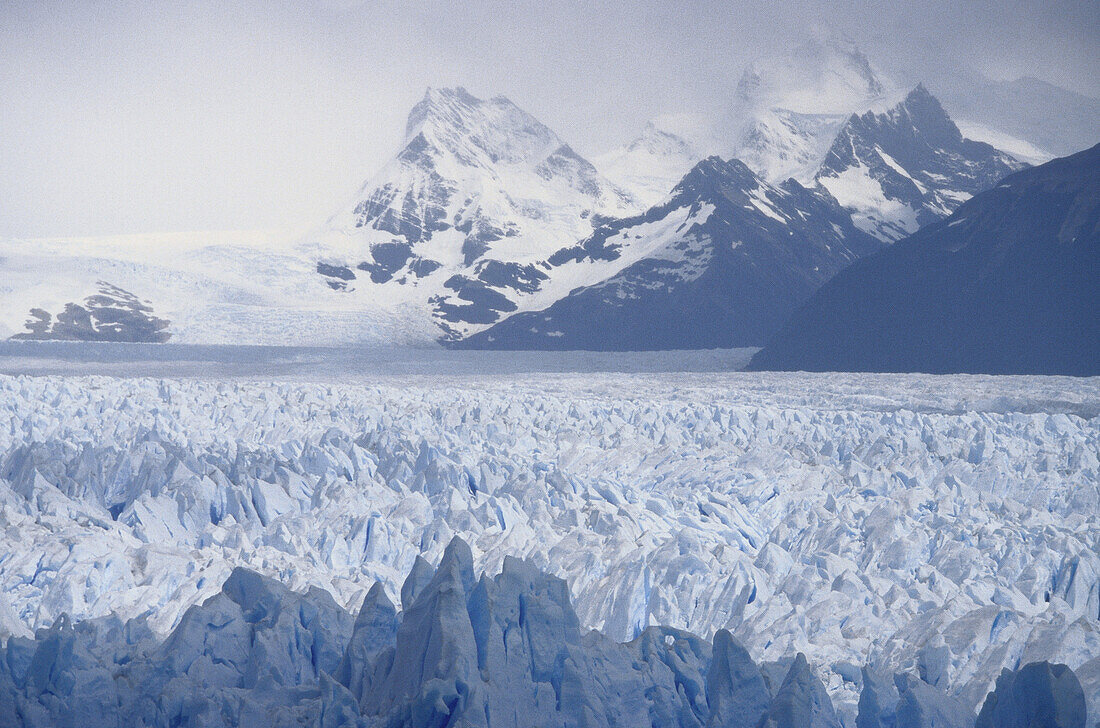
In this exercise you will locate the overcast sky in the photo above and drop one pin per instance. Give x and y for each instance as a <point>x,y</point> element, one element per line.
<point>120,117</point>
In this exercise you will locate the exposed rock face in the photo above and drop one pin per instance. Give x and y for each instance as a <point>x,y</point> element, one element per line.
<point>1007,285</point>
<point>721,263</point>
<point>902,169</point>
<point>112,314</point>
<point>459,221</point>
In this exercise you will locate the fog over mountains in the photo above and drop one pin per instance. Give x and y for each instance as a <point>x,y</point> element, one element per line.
<point>488,230</point>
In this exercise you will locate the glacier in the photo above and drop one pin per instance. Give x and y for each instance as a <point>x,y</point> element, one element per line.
<point>942,527</point>
<point>497,651</point>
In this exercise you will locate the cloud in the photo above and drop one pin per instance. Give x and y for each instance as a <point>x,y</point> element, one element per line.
<point>128,116</point>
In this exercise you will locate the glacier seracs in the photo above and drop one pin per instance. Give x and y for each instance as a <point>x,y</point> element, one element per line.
<point>941,526</point>
<point>505,651</point>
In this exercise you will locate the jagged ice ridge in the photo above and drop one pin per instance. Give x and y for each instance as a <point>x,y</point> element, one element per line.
<point>505,651</point>
<point>946,525</point>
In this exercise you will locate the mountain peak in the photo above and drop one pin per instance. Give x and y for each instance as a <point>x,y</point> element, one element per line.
<point>926,113</point>
<point>436,103</point>
<point>1006,286</point>
<point>823,76</point>
<point>920,90</point>
<point>920,95</point>
<point>715,173</point>
<point>908,166</point>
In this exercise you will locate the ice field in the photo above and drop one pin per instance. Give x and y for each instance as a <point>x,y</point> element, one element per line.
<point>944,525</point>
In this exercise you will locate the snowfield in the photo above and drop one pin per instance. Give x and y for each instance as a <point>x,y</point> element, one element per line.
<point>948,525</point>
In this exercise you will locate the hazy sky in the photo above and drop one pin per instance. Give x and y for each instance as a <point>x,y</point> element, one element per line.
<point>119,117</point>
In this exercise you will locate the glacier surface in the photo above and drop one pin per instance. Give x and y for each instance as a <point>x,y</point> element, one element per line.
<point>947,527</point>
<point>506,651</point>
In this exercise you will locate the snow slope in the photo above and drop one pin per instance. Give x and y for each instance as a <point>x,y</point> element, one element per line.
<point>445,238</point>
<point>211,288</point>
<point>459,222</point>
<point>785,113</point>
<point>460,229</point>
<point>789,108</point>
<point>651,165</point>
<point>917,523</point>
<point>721,262</point>
<point>908,166</point>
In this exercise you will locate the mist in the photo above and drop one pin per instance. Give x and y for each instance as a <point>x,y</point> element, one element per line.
<point>125,117</point>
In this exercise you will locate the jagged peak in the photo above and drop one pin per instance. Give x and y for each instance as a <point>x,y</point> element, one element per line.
<point>921,95</point>
<point>919,109</point>
<point>715,178</point>
<point>715,168</point>
<point>436,101</point>
<point>926,111</point>
<point>472,128</point>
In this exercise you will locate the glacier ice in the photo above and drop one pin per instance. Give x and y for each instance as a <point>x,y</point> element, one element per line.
<point>501,651</point>
<point>505,651</point>
<point>943,527</point>
<point>1038,694</point>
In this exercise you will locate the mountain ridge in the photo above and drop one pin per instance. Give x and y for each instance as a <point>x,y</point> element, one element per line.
<point>1006,285</point>
<point>738,256</point>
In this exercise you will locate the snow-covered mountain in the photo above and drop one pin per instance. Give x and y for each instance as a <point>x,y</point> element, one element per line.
<point>824,75</point>
<point>651,165</point>
<point>784,115</point>
<point>192,288</point>
<point>463,227</point>
<point>460,220</point>
<point>1008,284</point>
<point>780,144</point>
<point>721,263</point>
<point>908,166</point>
<point>789,108</point>
<point>449,235</point>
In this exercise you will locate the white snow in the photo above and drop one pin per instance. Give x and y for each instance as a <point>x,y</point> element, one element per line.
<point>760,201</point>
<point>657,239</point>
<point>214,287</point>
<point>489,159</point>
<point>779,144</point>
<point>1020,149</point>
<point>893,164</point>
<point>652,164</point>
<point>851,517</point>
<point>872,211</point>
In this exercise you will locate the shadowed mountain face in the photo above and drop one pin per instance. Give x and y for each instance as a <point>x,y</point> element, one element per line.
<point>1008,284</point>
<point>721,263</point>
<point>112,314</point>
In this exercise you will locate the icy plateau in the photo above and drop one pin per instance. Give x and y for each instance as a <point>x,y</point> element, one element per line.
<point>941,526</point>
